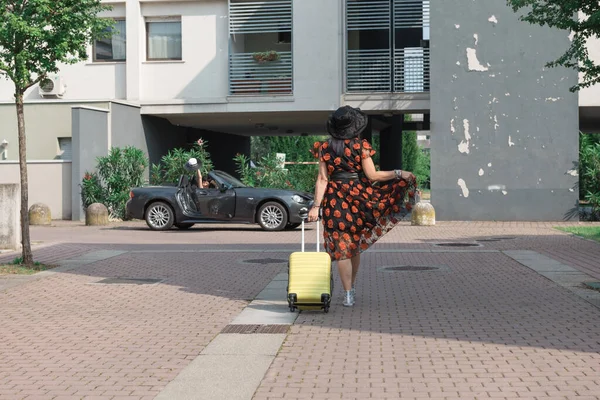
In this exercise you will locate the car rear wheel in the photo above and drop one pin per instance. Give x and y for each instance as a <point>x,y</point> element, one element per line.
<point>184,226</point>
<point>160,216</point>
<point>272,216</point>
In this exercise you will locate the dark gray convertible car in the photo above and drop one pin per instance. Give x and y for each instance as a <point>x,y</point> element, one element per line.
<point>226,200</point>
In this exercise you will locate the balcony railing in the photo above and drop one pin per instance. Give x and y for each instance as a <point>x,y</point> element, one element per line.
<point>399,64</point>
<point>249,77</point>
<point>369,71</point>
<point>411,70</point>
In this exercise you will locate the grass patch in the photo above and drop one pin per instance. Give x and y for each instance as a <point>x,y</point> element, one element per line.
<point>588,232</point>
<point>16,267</point>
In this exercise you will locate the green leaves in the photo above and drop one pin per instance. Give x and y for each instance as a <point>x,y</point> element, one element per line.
<point>589,171</point>
<point>563,14</point>
<point>36,36</point>
<point>267,174</point>
<point>118,172</point>
<point>171,165</point>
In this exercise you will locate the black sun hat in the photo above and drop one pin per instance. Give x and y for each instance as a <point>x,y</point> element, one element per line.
<point>347,122</point>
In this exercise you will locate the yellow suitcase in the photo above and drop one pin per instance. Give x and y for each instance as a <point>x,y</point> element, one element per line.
<point>310,282</point>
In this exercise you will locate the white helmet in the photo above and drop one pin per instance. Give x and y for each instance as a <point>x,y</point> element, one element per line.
<point>191,165</point>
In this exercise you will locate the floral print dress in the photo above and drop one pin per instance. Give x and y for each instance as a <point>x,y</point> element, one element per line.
<point>356,213</point>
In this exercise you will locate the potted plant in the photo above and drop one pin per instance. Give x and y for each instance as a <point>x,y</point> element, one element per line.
<point>265,56</point>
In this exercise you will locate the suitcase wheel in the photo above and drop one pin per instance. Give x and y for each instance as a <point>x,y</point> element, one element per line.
<point>326,300</point>
<point>292,299</point>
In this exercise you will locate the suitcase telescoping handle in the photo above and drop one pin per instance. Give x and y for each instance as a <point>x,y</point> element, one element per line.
<point>304,215</point>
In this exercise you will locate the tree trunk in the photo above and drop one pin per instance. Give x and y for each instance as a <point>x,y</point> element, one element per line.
<point>25,240</point>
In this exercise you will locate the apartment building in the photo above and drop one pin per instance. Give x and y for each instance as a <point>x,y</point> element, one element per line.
<point>503,129</point>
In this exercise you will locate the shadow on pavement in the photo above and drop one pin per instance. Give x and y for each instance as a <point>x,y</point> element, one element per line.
<point>471,295</point>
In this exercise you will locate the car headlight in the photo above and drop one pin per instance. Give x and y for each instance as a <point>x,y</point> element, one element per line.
<point>299,199</point>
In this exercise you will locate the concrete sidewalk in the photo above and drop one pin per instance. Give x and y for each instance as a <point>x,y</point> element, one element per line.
<point>504,315</point>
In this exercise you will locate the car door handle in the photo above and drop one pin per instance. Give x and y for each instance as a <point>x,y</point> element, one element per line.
<point>202,192</point>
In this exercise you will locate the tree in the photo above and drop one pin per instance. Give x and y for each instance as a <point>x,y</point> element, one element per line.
<point>410,150</point>
<point>563,14</point>
<point>36,36</point>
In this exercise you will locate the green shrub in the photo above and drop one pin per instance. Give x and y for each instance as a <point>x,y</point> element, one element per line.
<point>268,174</point>
<point>410,151</point>
<point>296,148</point>
<point>171,165</point>
<point>589,172</point>
<point>265,174</point>
<point>423,168</point>
<point>117,173</point>
<point>303,176</point>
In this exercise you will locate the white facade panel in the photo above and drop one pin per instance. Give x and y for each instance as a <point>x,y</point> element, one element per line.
<point>203,71</point>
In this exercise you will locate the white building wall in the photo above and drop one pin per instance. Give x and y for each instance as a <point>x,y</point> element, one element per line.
<point>203,71</point>
<point>202,76</point>
<point>86,80</point>
<point>590,96</point>
<point>49,183</point>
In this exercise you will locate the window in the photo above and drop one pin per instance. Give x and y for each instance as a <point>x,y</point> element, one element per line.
<point>163,39</point>
<point>112,48</point>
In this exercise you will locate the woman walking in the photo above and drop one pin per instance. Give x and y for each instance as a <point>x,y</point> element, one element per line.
<point>355,212</point>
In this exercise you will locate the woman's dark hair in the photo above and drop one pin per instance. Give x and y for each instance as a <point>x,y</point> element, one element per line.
<point>337,145</point>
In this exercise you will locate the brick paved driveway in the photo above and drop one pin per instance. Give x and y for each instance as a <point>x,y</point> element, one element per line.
<point>481,326</point>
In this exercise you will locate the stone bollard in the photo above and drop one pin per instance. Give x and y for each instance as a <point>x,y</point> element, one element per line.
<point>39,214</point>
<point>423,214</point>
<point>96,214</point>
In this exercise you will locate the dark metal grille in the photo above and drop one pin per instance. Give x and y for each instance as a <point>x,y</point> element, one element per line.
<point>249,329</point>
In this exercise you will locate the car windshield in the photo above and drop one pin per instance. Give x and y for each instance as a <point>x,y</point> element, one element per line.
<point>228,179</point>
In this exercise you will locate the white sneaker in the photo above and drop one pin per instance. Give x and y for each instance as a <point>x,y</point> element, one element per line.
<point>353,290</point>
<point>348,299</point>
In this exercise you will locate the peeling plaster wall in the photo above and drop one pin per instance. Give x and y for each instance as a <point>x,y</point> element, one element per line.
<point>504,128</point>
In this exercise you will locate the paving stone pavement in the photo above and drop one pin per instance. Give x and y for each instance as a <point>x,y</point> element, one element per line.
<point>65,336</point>
<point>481,326</point>
<point>484,327</point>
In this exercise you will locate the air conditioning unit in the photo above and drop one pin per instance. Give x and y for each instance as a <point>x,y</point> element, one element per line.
<point>52,86</point>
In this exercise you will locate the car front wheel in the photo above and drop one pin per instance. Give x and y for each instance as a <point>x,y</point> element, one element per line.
<point>160,216</point>
<point>272,216</point>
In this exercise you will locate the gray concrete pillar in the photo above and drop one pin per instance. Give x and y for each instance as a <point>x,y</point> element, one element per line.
<point>504,129</point>
<point>90,140</point>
